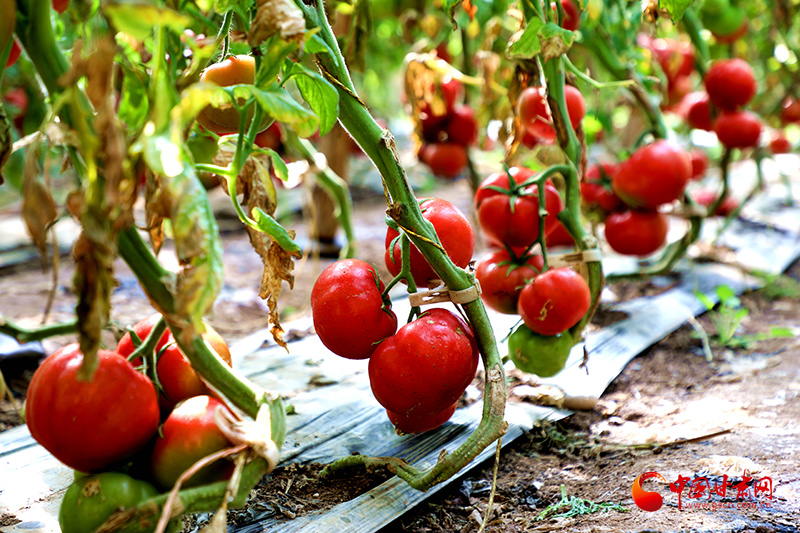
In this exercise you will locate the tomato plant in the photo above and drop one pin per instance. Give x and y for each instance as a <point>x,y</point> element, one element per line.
<point>503,278</point>
<point>224,118</point>
<point>543,355</point>
<point>654,175</point>
<point>596,189</point>
<point>554,301</point>
<point>454,231</point>
<point>425,367</point>
<point>508,212</point>
<point>188,434</point>
<point>90,425</point>
<point>636,232</point>
<point>350,313</point>
<point>91,500</point>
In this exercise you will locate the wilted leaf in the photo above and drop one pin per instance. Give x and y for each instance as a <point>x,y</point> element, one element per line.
<point>38,207</point>
<point>98,69</point>
<point>320,95</point>
<point>555,40</point>
<point>277,269</point>
<point>279,234</point>
<point>277,17</point>
<point>6,141</point>
<point>138,20</point>
<point>526,45</point>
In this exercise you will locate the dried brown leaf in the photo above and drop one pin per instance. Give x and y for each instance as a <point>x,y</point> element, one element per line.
<point>38,207</point>
<point>277,269</point>
<point>99,67</point>
<point>6,141</point>
<point>120,183</point>
<point>280,17</point>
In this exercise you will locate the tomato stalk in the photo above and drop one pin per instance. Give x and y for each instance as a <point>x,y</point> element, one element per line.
<point>23,335</point>
<point>692,25</point>
<point>404,210</point>
<point>146,350</point>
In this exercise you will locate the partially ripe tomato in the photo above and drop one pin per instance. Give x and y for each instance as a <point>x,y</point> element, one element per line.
<point>738,129</point>
<point>502,279</point>
<point>90,425</point>
<point>188,434</point>
<point>512,217</point>
<point>270,137</point>
<point>16,50</point>
<point>235,70</point>
<point>654,175</point>
<point>454,231</point>
<point>543,355</point>
<point>572,15</point>
<point>790,110</point>
<point>409,424</point>
<point>697,110</point>
<point>699,163</point>
<point>728,26</point>
<point>636,232</point>
<point>350,315</point>
<point>447,160</point>
<point>462,126</point>
<point>426,366</point>
<point>730,83</point>
<point>554,301</point>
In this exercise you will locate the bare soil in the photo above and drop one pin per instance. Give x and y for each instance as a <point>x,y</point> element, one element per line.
<point>668,395</point>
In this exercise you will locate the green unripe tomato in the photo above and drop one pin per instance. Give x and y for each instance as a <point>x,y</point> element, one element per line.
<point>714,7</point>
<point>543,355</point>
<point>91,500</point>
<point>725,23</point>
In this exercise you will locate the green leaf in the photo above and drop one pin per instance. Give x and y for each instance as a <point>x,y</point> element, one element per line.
<point>705,300</point>
<point>276,51</point>
<point>283,108</point>
<point>315,45</point>
<point>138,20</point>
<point>527,46</point>
<point>555,40</point>
<point>675,8</point>
<point>279,165</point>
<point>727,296</point>
<point>278,233</point>
<point>778,332</point>
<point>320,95</point>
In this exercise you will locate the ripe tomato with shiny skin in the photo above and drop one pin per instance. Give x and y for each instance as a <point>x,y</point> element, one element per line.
<point>636,232</point>
<point>554,301</point>
<point>502,279</point>
<point>654,175</point>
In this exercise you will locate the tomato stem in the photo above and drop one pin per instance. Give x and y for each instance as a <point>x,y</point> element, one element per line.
<point>23,335</point>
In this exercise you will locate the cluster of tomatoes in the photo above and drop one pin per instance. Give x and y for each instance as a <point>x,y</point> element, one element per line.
<point>536,118</point>
<point>127,439</point>
<point>419,372</point>
<point>447,133</point>
<point>512,281</point>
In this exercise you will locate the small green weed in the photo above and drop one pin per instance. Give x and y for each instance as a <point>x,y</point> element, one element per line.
<point>779,286</point>
<point>578,507</point>
<point>728,316</point>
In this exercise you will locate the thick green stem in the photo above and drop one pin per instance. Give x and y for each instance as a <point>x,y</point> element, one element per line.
<point>692,25</point>
<point>404,210</point>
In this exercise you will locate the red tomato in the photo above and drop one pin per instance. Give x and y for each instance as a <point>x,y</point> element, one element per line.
<point>699,163</point>
<point>447,160</point>
<point>426,366</point>
<point>406,425</point>
<point>780,144</point>
<point>697,109</point>
<point>790,112</point>
<point>706,197</point>
<point>655,174</point>
<point>90,425</point>
<point>502,279</point>
<point>576,105</point>
<point>178,379</point>
<point>675,57</point>
<point>450,91</point>
<point>462,126</point>
<point>572,15</point>
<point>454,231</point>
<point>730,83</point>
<point>16,50</point>
<point>677,90</point>
<point>534,114</point>
<point>738,129</point>
<point>270,137</point>
<point>234,70</point>
<point>636,232</point>
<point>516,226</point>
<point>348,309</point>
<point>554,301</point>
<point>59,6</point>
<point>188,434</point>
<point>559,237</point>
<point>596,190</point>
